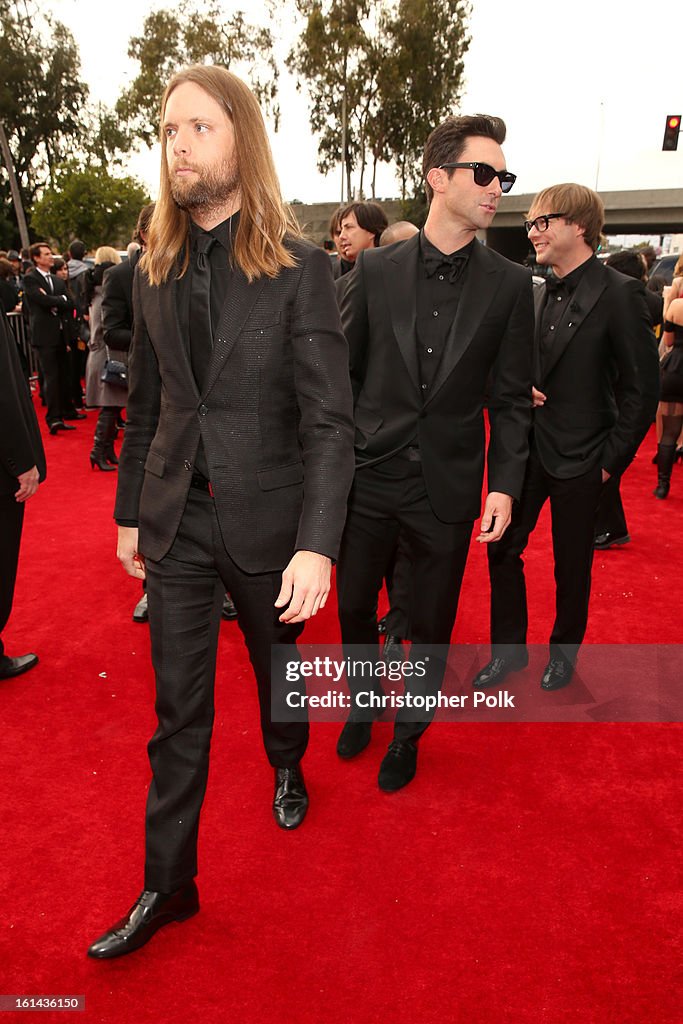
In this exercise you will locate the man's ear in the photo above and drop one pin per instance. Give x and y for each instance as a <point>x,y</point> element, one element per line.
<point>437,178</point>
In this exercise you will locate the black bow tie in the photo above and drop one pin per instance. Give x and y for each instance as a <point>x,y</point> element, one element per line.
<point>450,266</point>
<point>555,284</point>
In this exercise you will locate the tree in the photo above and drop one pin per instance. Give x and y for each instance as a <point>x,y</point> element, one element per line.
<point>42,98</point>
<point>388,69</point>
<point>187,34</point>
<point>89,204</point>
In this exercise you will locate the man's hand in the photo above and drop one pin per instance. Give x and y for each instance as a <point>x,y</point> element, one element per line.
<point>28,484</point>
<point>305,586</point>
<point>128,554</point>
<point>537,397</point>
<point>499,507</point>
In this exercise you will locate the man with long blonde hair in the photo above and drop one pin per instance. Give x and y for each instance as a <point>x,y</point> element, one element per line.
<point>237,459</point>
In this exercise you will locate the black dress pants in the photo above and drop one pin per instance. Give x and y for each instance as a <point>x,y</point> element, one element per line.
<point>573,503</point>
<point>185,591</point>
<point>386,500</point>
<point>11,523</point>
<point>610,517</point>
<point>55,367</point>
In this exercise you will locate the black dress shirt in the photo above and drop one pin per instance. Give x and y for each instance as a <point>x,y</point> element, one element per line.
<point>440,281</point>
<point>558,292</point>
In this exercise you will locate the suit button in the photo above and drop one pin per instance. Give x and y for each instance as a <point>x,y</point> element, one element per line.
<point>203,409</point>
<point>187,464</point>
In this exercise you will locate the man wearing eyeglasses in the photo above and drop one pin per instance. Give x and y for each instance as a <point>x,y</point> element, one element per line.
<point>593,396</point>
<point>428,321</point>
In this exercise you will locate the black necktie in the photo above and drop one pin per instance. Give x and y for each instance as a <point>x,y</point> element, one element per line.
<point>201,332</point>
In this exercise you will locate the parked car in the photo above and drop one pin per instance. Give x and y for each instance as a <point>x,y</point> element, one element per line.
<point>664,266</point>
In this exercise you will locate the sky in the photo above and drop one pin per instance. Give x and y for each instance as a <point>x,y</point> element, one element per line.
<point>585,96</point>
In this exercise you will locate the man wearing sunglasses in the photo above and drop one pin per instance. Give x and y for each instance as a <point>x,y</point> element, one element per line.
<point>429,322</point>
<point>594,395</point>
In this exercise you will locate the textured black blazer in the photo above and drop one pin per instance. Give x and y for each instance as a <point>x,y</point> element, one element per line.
<point>600,377</point>
<point>21,447</point>
<point>489,344</point>
<point>275,417</point>
<point>46,310</point>
<point>117,304</point>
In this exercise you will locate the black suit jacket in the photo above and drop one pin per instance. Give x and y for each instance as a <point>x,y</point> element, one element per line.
<point>21,447</point>
<point>274,416</point>
<point>599,378</point>
<point>46,310</point>
<point>492,335</point>
<point>117,304</point>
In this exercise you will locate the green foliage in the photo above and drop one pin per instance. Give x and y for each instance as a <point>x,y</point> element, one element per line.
<point>89,204</point>
<point>394,66</point>
<point>188,34</point>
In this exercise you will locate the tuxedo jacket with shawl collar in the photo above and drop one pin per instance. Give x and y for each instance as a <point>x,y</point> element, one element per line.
<point>487,355</point>
<point>274,415</point>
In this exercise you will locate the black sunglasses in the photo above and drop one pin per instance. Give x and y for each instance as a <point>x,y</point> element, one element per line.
<point>484,174</point>
<point>541,223</point>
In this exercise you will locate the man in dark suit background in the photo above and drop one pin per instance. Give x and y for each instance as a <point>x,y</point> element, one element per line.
<point>428,320</point>
<point>594,359</point>
<point>47,301</point>
<point>22,469</point>
<point>237,457</point>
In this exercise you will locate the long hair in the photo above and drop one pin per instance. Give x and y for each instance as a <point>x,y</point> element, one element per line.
<point>259,248</point>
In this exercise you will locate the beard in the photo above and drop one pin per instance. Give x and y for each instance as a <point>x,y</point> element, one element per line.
<point>215,187</point>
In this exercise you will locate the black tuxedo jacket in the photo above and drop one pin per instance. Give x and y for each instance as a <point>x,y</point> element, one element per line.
<point>20,445</point>
<point>46,310</point>
<point>600,376</point>
<point>489,345</point>
<point>274,416</point>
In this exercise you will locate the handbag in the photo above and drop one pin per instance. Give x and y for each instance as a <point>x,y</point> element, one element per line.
<point>114,372</point>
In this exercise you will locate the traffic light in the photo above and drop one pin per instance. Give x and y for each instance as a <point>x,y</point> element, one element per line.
<point>671,130</point>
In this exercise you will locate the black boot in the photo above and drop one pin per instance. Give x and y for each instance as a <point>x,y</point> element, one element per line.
<point>666,455</point>
<point>102,433</point>
<point>109,452</point>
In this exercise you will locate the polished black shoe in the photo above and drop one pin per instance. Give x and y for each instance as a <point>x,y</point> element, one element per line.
<point>398,766</point>
<point>147,915</point>
<point>290,802</point>
<point>229,611</point>
<point>393,648</point>
<point>10,667</point>
<point>353,739</point>
<point>557,673</point>
<point>608,540</point>
<point>140,612</point>
<point>58,425</point>
<point>497,670</point>
<point>74,416</point>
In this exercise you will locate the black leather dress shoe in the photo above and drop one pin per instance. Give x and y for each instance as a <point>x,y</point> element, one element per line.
<point>291,799</point>
<point>398,766</point>
<point>609,540</point>
<point>393,648</point>
<point>228,611</point>
<point>557,673</point>
<point>74,416</point>
<point>10,667</point>
<point>58,425</point>
<point>353,739</point>
<point>141,611</point>
<point>147,915</point>
<point>496,671</point>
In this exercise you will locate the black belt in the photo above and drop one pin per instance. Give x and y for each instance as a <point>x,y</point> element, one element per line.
<point>200,482</point>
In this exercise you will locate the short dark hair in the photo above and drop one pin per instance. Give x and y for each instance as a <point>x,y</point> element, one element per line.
<point>77,249</point>
<point>36,247</point>
<point>370,217</point>
<point>627,262</point>
<point>447,141</point>
<point>335,221</point>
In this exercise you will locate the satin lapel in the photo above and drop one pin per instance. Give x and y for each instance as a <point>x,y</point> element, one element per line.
<point>590,288</point>
<point>539,301</point>
<point>239,303</point>
<point>169,314</point>
<point>476,297</point>
<point>400,281</point>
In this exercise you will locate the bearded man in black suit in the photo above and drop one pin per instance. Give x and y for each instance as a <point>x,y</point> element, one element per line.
<point>430,322</point>
<point>237,458</point>
<point>595,393</point>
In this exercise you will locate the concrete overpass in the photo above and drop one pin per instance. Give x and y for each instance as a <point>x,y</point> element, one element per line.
<point>644,211</point>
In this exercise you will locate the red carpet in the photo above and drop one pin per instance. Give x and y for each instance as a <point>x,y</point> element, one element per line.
<point>529,874</point>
